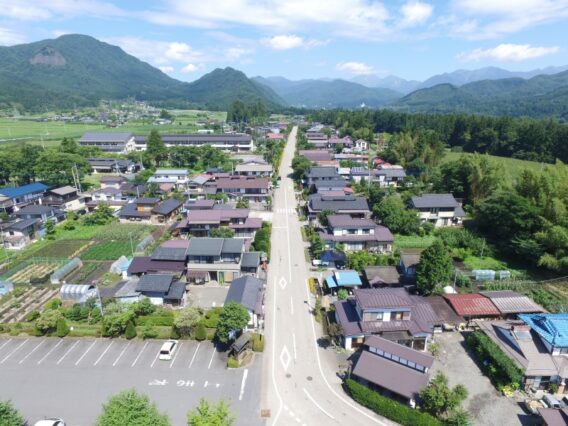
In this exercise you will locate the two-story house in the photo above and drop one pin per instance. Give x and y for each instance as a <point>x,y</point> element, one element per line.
<point>390,176</point>
<point>112,182</point>
<point>41,213</point>
<point>13,199</point>
<point>200,223</point>
<point>439,209</point>
<point>179,178</point>
<point>249,292</point>
<point>65,198</point>
<point>251,188</point>
<point>150,210</point>
<point>388,312</point>
<point>354,206</point>
<point>254,169</point>
<point>320,174</point>
<point>356,234</point>
<point>161,289</point>
<point>17,235</point>
<point>196,186</point>
<point>360,145</point>
<point>216,259</point>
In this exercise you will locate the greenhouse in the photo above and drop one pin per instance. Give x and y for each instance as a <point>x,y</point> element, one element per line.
<point>58,276</point>
<point>78,293</point>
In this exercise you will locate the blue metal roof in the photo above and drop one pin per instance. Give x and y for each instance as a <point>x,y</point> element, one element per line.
<point>553,328</point>
<point>343,279</point>
<point>23,190</point>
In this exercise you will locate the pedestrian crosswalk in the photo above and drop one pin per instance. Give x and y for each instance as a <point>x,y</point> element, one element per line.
<point>285,210</point>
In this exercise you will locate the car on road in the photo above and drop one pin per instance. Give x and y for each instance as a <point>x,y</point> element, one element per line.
<point>168,349</point>
<point>50,422</point>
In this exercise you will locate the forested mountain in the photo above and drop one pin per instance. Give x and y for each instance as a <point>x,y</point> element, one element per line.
<point>328,94</point>
<point>78,70</point>
<point>540,96</point>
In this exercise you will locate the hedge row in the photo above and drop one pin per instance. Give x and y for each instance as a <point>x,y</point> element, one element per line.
<point>389,408</point>
<point>500,369</point>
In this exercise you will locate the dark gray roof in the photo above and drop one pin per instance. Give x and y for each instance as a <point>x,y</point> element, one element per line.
<point>146,200</point>
<point>167,206</point>
<point>321,172</point>
<point>332,183</point>
<point>245,290</point>
<point>130,210</point>
<point>157,283</point>
<point>106,137</point>
<point>391,173</point>
<point>143,264</point>
<point>401,351</point>
<point>163,253</point>
<point>176,292</point>
<point>22,224</point>
<point>511,302</point>
<point>434,200</point>
<point>338,203</point>
<point>35,209</point>
<point>233,245</point>
<point>250,259</point>
<point>239,138</point>
<point>445,314</point>
<point>214,246</point>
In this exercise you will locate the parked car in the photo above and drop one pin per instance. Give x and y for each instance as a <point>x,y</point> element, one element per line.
<point>168,349</point>
<point>551,401</point>
<point>50,422</point>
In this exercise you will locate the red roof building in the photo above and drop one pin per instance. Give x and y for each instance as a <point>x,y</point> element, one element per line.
<point>472,305</point>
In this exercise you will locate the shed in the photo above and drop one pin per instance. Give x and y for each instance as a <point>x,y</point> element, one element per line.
<point>120,266</point>
<point>382,276</point>
<point>509,302</point>
<point>472,305</point>
<point>240,345</point>
<point>447,318</point>
<point>348,279</point>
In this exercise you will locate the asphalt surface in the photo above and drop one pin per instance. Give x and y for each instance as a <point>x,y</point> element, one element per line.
<point>72,378</point>
<point>300,385</point>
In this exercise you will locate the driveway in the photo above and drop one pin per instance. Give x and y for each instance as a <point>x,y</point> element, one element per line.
<point>485,404</point>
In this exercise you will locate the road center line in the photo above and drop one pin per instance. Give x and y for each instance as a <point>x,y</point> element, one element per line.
<point>49,352</point>
<point>194,354</point>
<point>67,353</point>
<point>294,344</point>
<point>212,355</point>
<point>104,353</point>
<point>317,405</point>
<point>121,353</point>
<point>14,351</point>
<point>176,355</point>
<point>140,354</point>
<point>86,352</point>
<point>5,343</point>
<point>32,351</point>
<point>243,383</point>
<point>291,305</point>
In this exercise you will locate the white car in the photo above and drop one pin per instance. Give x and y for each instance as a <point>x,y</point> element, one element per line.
<point>168,349</point>
<point>50,422</point>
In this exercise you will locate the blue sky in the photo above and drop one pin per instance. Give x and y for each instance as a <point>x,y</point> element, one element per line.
<point>413,39</point>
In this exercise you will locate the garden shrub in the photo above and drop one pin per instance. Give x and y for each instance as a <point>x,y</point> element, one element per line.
<point>174,334</point>
<point>149,332</point>
<point>257,342</point>
<point>232,363</point>
<point>387,407</point>
<point>157,319</point>
<point>62,328</point>
<point>200,332</point>
<point>212,317</point>
<point>130,332</point>
<point>32,316</point>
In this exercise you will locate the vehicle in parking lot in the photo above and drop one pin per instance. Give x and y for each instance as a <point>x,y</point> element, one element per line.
<point>50,422</point>
<point>168,349</point>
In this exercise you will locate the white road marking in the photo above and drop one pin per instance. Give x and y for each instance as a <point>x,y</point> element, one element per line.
<point>285,358</point>
<point>212,355</point>
<point>121,353</point>
<point>243,383</point>
<point>140,354</point>
<point>14,351</point>
<point>67,353</point>
<point>205,384</point>
<point>5,343</point>
<point>194,354</point>
<point>317,405</point>
<point>33,350</point>
<point>104,353</point>
<point>294,343</point>
<point>153,362</point>
<point>86,352</point>
<point>176,354</point>
<point>282,283</point>
<point>49,352</point>
<point>291,305</point>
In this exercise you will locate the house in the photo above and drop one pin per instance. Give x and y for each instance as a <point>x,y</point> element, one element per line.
<point>66,198</point>
<point>112,165</point>
<point>360,145</point>
<point>553,416</point>
<point>196,186</point>
<point>109,195</point>
<point>117,142</point>
<point>389,312</point>
<point>510,303</point>
<point>392,369</point>
<point>385,177</point>
<point>251,262</point>
<point>141,265</point>
<point>249,292</point>
<point>179,178</point>
<point>382,276</point>
<point>12,199</point>
<point>316,155</point>
<point>112,182</point>
<point>217,259</point>
<point>343,280</point>
<point>333,259</point>
<point>233,142</point>
<point>200,223</point>
<point>161,289</point>
<point>41,213</point>
<point>408,263</point>
<point>253,169</point>
<point>356,234</point>
<point>438,209</point>
<point>352,205</point>
<point>167,210</point>
<point>150,210</point>
<point>338,186</point>
<point>318,174</point>
<point>472,306</point>
<point>253,189</point>
<point>199,204</point>
<point>19,234</point>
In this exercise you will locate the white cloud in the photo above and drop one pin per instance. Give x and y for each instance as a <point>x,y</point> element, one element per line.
<point>166,69</point>
<point>236,53</point>
<point>158,53</point>
<point>9,37</point>
<point>292,41</point>
<point>189,68</point>
<point>508,52</point>
<point>356,68</point>
<point>52,9</point>
<point>59,33</point>
<point>415,13</point>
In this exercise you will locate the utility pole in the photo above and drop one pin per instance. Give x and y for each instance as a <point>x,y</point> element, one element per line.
<point>131,245</point>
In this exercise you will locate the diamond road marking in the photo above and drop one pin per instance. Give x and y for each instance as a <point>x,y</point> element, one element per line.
<point>285,358</point>
<point>282,283</point>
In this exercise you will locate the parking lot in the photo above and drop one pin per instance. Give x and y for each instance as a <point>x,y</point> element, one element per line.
<point>71,378</point>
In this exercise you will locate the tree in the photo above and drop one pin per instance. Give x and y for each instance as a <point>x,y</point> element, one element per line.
<point>50,229</point>
<point>115,324</point>
<point>155,148</point>
<point>131,408</point>
<point>200,332</point>
<point>186,320</point>
<point>208,414</point>
<point>56,168</point>
<point>69,146</point>
<point>166,115</point>
<point>458,417</point>
<point>62,328</point>
<point>300,165</point>
<point>130,332</point>
<point>47,321</point>
<point>393,214</point>
<point>335,332</point>
<point>435,267</point>
<point>9,416</point>
<point>143,307</point>
<point>102,215</point>
<point>222,232</point>
<point>342,294</point>
<point>242,203</point>
<point>439,399</point>
<point>323,216</point>
<point>234,317</point>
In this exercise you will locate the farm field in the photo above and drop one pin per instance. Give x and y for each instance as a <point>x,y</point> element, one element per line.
<point>109,250</point>
<point>62,248</point>
<point>113,231</point>
<point>412,241</point>
<point>32,271</point>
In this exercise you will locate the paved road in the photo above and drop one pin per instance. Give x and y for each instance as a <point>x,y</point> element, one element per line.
<point>300,386</point>
<point>71,378</point>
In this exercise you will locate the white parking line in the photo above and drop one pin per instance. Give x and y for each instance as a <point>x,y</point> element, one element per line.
<point>243,383</point>
<point>67,353</point>
<point>212,355</point>
<point>49,352</point>
<point>86,352</point>
<point>176,355</point>
<point>140,354</point>
<point>14,351</point>
<point>194,354</point>
<point>104,353</point>
<point>122,353</point>
<point>153,362</point>
<point>32,351</point>
<point>5,343</point>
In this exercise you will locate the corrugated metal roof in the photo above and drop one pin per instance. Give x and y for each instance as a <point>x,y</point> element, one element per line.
<point>106,137</point>
<point>23,190</point>
<point>510,302</point>
<point>551,327</point>
<point>472,305</point>
<point>434,200</point>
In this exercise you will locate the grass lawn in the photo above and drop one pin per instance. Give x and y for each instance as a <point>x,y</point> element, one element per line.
<point>412,241</point>
<point>109,250</point>
<point>475,262</point>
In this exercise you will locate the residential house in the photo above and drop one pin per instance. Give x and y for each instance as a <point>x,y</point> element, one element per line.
<point>66,198</point>
<point>109,195</point>
<point>354,206</point>
<point>553,416</point>
<point>196,186</point>
<point>13,199</point>
<point>178,178</point>
<point>316,155</point>
<point>250,263</point>
<point>162,289</point>
<point>356,234</point>
<point>142,265</point>
<point>150,210</point>
<point>112,182</point>
<point>392,369</point>
<point>167,210</point>
<point>19,234</point>
<point>343,280</point>
<point>117,142</point>
<point>41,213</point>
<point>393,176</point>
<point>199,204</point>
<point>249,292</point>
<point>199,223</point>
<point>327,187</point>
<point>382,276</point>
<point>319,174</point>
<point>333,259</point>
<point>438,209</point>
<point>389,312</point>
<point>360,145</point>
<point>253,169</point>
<point>357,158</point>
<point>217,259</point>
<point>253,189</point>
<point>409,260</point>
<point>112,165</point>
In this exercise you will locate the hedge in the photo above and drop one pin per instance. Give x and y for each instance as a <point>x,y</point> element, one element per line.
<point>500,369</point>
<point>387,407</point>
<point>160,318</point>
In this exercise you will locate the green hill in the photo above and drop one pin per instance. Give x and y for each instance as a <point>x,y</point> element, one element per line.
<point>540,96</point>
<point>78,70</point>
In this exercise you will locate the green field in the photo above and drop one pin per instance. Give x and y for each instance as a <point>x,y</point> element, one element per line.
<point>109,250</point>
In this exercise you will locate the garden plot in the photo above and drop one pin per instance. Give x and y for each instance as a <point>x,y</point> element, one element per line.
<point>109,250</point>
<point>31,299</point>
<point>33,271</point>
<point>64,248</point>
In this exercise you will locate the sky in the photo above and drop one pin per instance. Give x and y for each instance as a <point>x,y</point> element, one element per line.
<point>297,39</point>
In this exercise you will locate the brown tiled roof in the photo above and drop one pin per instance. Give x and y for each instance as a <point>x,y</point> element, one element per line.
<point>242,183</point>
<point>382,275</point>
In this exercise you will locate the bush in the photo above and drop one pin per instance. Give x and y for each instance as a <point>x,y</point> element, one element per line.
<point>200,332</point>
<point>387,407</point>
<point>149,332</point>
<point>232,363</point>
<point>174,334</point>
<point>342,294</point>
<point>130,332</point>
<point>53,304</point>
<point>157,319</point>
<point>32,316</point>
<point>212,317</point>
<point>62,328</point>
<point>257,342</point>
